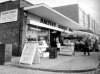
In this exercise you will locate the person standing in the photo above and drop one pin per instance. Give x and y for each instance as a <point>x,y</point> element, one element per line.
<point>86,47</point>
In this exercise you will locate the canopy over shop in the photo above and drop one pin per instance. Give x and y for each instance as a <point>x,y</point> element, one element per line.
<point>82,33</point>
<point>43,10</point>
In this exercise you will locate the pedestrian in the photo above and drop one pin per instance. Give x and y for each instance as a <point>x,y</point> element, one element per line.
<point>86,47</point>
<point>96,45</point>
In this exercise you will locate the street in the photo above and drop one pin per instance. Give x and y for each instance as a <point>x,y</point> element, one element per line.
<point>78,61</point>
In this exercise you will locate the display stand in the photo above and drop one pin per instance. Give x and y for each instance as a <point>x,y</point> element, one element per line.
<point>68,49</point>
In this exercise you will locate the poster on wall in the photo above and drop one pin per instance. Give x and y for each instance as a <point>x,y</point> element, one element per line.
<point>29,53</point>
<point>9,16</point>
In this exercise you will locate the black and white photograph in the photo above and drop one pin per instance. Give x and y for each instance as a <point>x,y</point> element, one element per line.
<point>49,36</point>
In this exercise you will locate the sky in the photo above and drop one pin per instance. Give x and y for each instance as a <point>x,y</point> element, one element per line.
<point>91,7</point>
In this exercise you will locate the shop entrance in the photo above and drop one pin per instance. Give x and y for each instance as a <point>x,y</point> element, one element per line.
<point>54,36</point>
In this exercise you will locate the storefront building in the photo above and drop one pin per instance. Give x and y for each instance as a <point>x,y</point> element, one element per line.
<point>39,28</point>
<point>20,24</point>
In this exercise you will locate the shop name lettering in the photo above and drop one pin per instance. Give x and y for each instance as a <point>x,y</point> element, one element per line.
<point>45,21</point>
<point>48,22</point>
<point>62,27</point>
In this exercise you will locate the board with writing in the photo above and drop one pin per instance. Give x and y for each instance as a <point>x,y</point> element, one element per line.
<point>68,49</point>
<point>28,53</point>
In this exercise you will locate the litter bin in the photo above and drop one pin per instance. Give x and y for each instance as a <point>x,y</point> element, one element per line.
<point>5,53</point>
<point>53,53</point>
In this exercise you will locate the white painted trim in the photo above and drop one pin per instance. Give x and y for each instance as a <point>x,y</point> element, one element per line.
<point>34,6</point>
<point>47,26</point>
<point>44,25</point>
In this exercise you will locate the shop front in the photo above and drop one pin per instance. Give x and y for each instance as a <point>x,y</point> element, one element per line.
<point>44,23</point>
<point>32,23</point>
<point>37,23</point>
<point>38,30</point>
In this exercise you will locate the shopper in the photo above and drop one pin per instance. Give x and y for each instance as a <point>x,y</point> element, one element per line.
<point>86,47</point>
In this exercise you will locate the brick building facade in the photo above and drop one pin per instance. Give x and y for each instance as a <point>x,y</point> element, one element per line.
<point>10,31</point>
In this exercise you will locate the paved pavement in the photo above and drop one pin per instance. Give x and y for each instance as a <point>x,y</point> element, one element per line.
<point>77,64</point>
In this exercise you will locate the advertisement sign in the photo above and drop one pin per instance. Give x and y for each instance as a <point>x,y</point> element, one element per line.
<point>68,49</point>
<point>29,53</point>
<point>9,16</point>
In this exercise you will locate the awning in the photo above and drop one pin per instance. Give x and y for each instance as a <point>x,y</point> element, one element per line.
<point>43,10</point>
<point>81,33</point>
<point>87,30</point>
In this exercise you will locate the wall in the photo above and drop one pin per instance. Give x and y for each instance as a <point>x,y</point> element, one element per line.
<point>88,21</point>
<point>9,31</point>
<point>71,11</point>
<point>78,15</point>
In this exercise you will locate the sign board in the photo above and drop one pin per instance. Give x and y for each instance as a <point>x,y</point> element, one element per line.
<point>9,16</point>
<point>29,53</point>
<point>68,49</point>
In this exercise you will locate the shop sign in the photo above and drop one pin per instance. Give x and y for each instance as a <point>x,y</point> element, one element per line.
<point>62,27</point>
<point>68,49</point>
<point>9,16</point>
<point>45,21</point>
<point>44,25</point>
